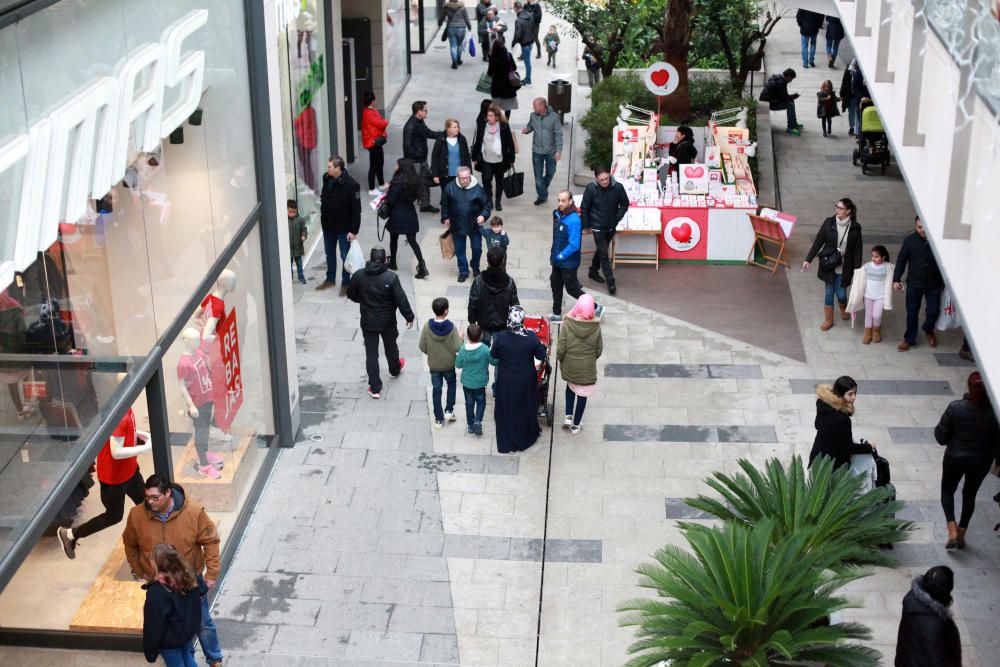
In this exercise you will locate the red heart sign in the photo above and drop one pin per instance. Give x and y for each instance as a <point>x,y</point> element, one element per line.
<point>660,77</point>
<point>694,172</point>
<point>681,233</point>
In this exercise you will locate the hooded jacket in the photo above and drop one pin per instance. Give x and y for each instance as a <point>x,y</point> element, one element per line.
<point>455,15</point>
<point>461,206</point>
<point>917,254</point>
<point>379,293</point>
<point>439,156</point>
<point>170,619</point>
<point>580,345</point>
<point>928,636</point>
<point>565,251</point>
<point>492,294</point>
<point>340,204</point>
<point>833,428</point>
<point>474,359</point>
<point>525,28</point>
<point>440,342</point>
<point>968,432</point>
<point>188,528</point>
<point>603,208</point>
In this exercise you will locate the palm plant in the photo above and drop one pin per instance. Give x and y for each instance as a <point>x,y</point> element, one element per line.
<point>744,598</point>
<point>829,501</point>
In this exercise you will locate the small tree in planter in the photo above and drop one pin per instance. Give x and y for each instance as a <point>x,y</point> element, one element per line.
<point>606,27</point>
<point>739,30</point>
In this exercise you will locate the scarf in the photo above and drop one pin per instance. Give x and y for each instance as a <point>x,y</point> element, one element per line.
<point>584,308</point>
<point>495,131</point>
<point>515,321</point>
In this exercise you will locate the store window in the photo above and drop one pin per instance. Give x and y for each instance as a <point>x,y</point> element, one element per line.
<point>424,15</point>
<point>396,49</point>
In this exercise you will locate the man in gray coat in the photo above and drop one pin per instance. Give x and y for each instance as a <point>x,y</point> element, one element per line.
<point>546,145</point>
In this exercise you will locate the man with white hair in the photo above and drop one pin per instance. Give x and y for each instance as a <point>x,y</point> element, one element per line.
<point>546,145</point>
<point>464,206</point>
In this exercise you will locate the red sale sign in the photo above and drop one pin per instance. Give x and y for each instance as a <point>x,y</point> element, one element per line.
<point>227,373</point>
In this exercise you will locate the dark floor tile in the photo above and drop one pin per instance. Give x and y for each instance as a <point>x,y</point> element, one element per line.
<point>573,551</point>
<point>952,359</point>
<point>686,433</point>
<point>747,434</point>
<point>630,370</point>
<point>883,387</point>
<point>630,433</point>
<point>735,371</point>
<point>681,371</point>
<point>912,435</point>
<point>676,508</point>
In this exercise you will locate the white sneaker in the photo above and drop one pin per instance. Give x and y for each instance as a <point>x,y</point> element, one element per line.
<point>575,430</point>
<point>568,420</point>
<point>439,425</point>
<point>449,416</point>
<point>374,193</point>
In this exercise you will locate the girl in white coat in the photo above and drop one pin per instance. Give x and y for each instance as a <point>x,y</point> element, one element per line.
<point>872,290</point>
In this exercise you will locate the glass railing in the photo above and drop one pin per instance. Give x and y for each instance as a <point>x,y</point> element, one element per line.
<point>972,40</point>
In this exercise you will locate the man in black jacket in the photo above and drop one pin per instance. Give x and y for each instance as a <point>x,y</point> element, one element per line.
<point>340,215</point>
<point>464,207</point>
<point>525,33</point>
<point>775,93</point>
<point>604,205</point>
<point>492,294</point>
<point>415,136</point>
<point>923,282</point>
<point>809,25</point>
<point>379,294</point>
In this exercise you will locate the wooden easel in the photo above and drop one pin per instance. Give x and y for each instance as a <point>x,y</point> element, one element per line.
<point>767,231</point>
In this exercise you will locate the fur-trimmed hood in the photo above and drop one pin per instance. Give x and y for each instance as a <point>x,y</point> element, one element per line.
<point>920,601</point>
<point>826,395</point>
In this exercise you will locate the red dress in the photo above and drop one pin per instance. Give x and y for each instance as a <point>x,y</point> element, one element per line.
<point>372,127</point>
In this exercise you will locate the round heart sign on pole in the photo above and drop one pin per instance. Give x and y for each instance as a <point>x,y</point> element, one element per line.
<point>662,78</point>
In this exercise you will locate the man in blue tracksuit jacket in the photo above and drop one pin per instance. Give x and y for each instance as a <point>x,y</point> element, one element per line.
<point>565,253</point>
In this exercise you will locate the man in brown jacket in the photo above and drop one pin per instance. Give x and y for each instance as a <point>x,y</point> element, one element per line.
<point>167,517</point>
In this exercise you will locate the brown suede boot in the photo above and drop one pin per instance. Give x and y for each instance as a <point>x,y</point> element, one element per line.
<point>952,542</point>
<point>827,318</point>
<point>877,334</point>
<point>961,538</point>
<point>868,336</point>
<point>844,315</point>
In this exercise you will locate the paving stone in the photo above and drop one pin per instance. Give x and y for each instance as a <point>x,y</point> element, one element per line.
<point>441,649</point>
<point>384,646</point>
<point>434,620</point>
<point>747,434</point>
<point>353,616</point>
<point>676,508</point>
<point>884,387</point>
<point>573,551</point>
<point>912,435</point>
<point>951,359</point>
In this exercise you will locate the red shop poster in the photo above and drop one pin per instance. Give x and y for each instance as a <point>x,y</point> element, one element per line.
<point>229,375</point>
<point>685,234</point>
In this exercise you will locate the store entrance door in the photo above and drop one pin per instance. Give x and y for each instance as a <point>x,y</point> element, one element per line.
<point>358,77</point>
<point>350,101</point>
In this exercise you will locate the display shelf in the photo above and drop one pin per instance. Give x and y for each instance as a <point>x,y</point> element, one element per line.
<point>217,495</point>
<point>115,600</point>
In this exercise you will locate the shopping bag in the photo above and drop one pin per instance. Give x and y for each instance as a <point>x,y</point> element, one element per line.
<point>948,319</point>
<point>864,465</point>
<point>355,260</point>
<point>513,184</point>
<point>447,245</point>
<point>485,84</point>
<point>472,46</point>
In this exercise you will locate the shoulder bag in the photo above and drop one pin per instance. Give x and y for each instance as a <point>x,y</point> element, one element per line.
<point>831,258</point>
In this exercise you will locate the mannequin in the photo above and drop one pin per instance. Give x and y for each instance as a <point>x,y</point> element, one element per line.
<point>213,307</point>
<point>195,375</point>
<point>119,475</point>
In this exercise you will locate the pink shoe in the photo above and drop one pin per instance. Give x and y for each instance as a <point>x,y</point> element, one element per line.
<point>209,471</point>
<point>215,460</point>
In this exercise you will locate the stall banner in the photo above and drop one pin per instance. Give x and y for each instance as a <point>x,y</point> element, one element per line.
<point>684,231</point>
<point>228,403</point>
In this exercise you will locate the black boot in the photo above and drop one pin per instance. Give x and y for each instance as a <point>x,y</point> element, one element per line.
<point>391,263</point>
<point>498,207</point>
<point>422,271</point>
<point>595,276</point>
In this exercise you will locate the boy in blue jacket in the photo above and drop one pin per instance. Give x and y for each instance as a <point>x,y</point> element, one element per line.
<point>565,254</point>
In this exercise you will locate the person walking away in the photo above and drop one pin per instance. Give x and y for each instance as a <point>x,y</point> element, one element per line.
<point>580,346</point>
<point>491,28</point>
<point>839,246</point>
<point>545,127</point>
<point>564,255</point>
<point>340,218</point>
<point>604,205</point>
<point>834,33</point>
<point>516,351</point>
<point>809,25</point>
<point>297,235</point>
<point>593,68</point>
<point>373,138</point>
<point>405,188</point>
<point>834,409</point>
<point>440,342</point>
<point>464,208</point>
<point>493,234</point>
<point>846,98</point>
<point>682,149</point>
<point>928,635</point>
<point>171,614</point>
<point>492,294</point>
<point>923,283</point>
<point>493,153</point>
<point>775,93</point>
<point>379,294</point>
<point>450,152</point>
<point>826,107</point>
<point>502,68</point>
<point>872,290</point>
<point>169,517</point>
<point>456,18</point>
<point>474,360</point>
<point>969,431</point>
<point>415,137</point>
<point>859,91</point>
<point>118,473</point>
<point>551,45</point>
<point>481,8</point>
<point>525,34</point>
<point>534,8</point>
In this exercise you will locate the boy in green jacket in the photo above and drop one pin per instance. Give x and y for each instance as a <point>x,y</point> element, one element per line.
<point>440,342</point>
<point>474,360</point>
<point>297,234</point>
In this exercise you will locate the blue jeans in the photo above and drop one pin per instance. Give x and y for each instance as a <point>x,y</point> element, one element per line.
<point>835,287</point>
<point>330,243</point>
<point>854,116</point>
<point>179,657</point>
<point>438,378</point>
<point>297,262</point>
<point>476,240</point>
<point>475,405</point>
<point>914,295</point>
<point>545,169</point>
<point>792,119</point>
<point>526,54</point>
<point>808,50</point>
<point>832,46</point>
<point>575,405</point>
<point>207,635</point>
<point>456,38</point>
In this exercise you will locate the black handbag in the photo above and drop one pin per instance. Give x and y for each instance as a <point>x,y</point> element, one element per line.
<point>513,184</point>
<point>379,141</point>
<point>830,259</point>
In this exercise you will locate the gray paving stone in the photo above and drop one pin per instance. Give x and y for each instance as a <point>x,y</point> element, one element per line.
<point>685,433</point>
<point>385,646</point>
<point>426,568</point>
<point>676,508</point>
<point>704,371</point>
<point>411,618</point>
<point>525,549</point>
<point>912,435</point>
<point>283,611</point>
<point>573,551</point>
<point>441,649</point>
<point>951,359</point>
<point>747,434</point>
<point>243,636</point>
<point>630,433</point>
<point>299,640</point>
<point>354,616</point>
<point>883,387</point>
<point>411,544</point>
<point>532,293</point>
<point>735,371</point>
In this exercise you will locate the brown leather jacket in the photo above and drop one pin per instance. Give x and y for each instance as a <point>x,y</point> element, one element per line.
<point>188,528</point>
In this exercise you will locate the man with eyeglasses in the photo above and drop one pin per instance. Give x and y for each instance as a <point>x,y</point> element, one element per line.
<point>167,517</point>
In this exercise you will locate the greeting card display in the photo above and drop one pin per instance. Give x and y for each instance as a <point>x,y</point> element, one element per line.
<point>694,179</point>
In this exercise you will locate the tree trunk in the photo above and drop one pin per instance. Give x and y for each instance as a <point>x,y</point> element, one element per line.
<point>675,44</point>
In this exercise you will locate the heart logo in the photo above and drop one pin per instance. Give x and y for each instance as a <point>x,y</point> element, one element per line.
<point>694,172</point>
<point>681,233</point>
<point>660,77</point>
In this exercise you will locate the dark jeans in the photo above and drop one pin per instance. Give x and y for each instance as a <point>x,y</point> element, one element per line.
<point>581,405</point>
<point>476,240</point>
<point>953,469</point>
<point>837,288</point>
<point>827,123</point>
<point>113,499</point>
<point>475,405</point>
<point>914,295</point>
<point>602,255</point>
<point>526,54</point>
<point>854,115</point>
<point>330,242</point>
<point>438,378</point>
<point>182,656</point>
<point>808,49</point>
<point>376,164</point>
<point>493,172</point>
<point>832,47</point>
<point>563,278</point>
<point>414,246</point>
<point>297,263</point>
<point>544,165</point>
<point>371,355</point>
<point>202,423</point>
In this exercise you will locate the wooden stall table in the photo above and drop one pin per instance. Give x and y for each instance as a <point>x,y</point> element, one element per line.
<point>633,256</point>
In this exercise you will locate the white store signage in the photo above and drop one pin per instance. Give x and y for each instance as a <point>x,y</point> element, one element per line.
<point>80,149</point>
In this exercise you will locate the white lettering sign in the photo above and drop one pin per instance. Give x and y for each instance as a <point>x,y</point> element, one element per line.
<point>81,148</point>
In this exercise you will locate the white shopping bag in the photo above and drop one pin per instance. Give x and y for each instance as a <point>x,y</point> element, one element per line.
<point>864,464</point>
<point>948,319</point>
<point>355,260</point>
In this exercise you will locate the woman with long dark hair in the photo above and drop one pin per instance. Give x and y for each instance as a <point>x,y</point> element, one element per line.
<point>839,247</point>
<point>968,429</point>
<point>501,66</point>
<point>493,152</point>
<point>172,613</point>
<point>373,138</point>
<point>405,188</point>
<point>834,409</point>
<point>928,636</point>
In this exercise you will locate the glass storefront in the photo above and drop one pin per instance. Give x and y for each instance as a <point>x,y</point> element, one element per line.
<point>424,16</point>
<point>396,36</point>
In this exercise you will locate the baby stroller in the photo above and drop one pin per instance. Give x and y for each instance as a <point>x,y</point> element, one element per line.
<point>873,144</point>
<point>540,326</point>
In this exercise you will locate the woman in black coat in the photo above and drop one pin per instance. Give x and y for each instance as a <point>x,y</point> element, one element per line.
<point>839,238</point>
<point>487,160</point>
<point>171,616</point>
<point>442,169</point>
<point>516,402</point>
<point>928,636</point>
<point>834,409</point>
<point>834,33</point>
<point>969,430</point>
<point>405,188</point>
<point>501,66</point>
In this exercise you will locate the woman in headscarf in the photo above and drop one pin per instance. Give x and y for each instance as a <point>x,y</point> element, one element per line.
<point>580,344</point>
<point>516,404</point>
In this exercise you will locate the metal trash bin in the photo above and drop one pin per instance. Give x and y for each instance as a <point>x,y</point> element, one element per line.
<point>560,96</point>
